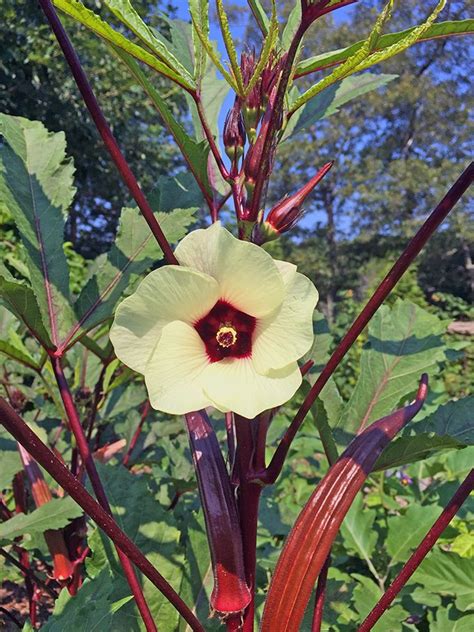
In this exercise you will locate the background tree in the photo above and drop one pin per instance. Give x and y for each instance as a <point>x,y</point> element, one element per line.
<point>36,83</point>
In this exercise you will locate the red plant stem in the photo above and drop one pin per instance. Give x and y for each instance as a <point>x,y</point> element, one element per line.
<point>28,571</point>
<point>272,128</point>
<point>386,286</point>
<point>210,138</point>
<point>88,461</point>
<point>420,553</point>
<point>13,423</point>
<point>320,597</point>
<point>248,502</point>
<point>104,129</point>
<point>98,394</point>
<point>136,434</point>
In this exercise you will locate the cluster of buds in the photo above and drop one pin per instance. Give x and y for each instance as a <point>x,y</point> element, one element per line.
<point>255,104</point>
<point>288,211</point>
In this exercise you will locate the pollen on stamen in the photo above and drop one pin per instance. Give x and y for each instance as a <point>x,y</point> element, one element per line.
<point>226,336</point>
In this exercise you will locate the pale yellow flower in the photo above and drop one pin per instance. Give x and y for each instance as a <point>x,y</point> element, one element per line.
<point>224,329</point>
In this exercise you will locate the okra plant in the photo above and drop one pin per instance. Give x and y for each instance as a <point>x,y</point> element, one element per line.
<point>191,357</point>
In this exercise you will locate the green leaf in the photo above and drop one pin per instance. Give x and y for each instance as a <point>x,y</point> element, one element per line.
<point>328,102</point>
<point>439,30</point>
<point>463,545</point>
<point>208,46</point>
<point>406,531</point>
<point>291,26</point>
<point>92,608</point>
<point>448,574</point>
<point>267,48</point>
<point>365,57</point>
<point>195,154</point>
<point>199,10</point>
<point>450,426</point>
<point>365,596</point>
<point>450,620</point>
<point>230,47</point>
<point>260,16</point>
<point>127,14</point>
<point>18,354</point>
<point>89,19</point>
<point>53,515</point>
<point>404,43</point>
<point>404,342</point>
<point>20,300</point>
<point>358,531</point>
<point>36,181</point>
<point>11,464</point>
<point>153,530</point>
<point>133,252</point>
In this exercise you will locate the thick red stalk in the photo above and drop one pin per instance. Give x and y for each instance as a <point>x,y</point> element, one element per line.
<point>420,553</point>
<point>13,423</point>
<point>248,497</point>
<point>320,596</point>
<point>104,129</point>
<point>88,461</point>
<point>230,595</point>
<point>386,286</point>
<point>309,542</point>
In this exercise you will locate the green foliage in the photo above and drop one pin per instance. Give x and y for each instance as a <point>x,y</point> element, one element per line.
<point>36,183</point>
<point>403,342</point>
<point>52,515</point>
<point>93,608</point>
<point>382,183</point>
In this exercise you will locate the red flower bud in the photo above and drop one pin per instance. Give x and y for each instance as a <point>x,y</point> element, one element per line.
<point>288,211</point>
<point>234,132</point>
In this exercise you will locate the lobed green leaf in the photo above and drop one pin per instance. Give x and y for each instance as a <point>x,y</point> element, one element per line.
<point>36,182</point>
<point>127,14</point>
<point>52,515</point>
<point>435,31</point>
<point>89,19</point>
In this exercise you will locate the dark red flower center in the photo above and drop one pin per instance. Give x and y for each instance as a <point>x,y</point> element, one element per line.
<point>226,332</point>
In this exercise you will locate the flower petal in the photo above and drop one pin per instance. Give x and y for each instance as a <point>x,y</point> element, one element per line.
<point>287,334</point>
<point>247,275</point>
<point>287,270</point>
<point>173,375</point>
<point>234,385</point>
<point>167,294</point>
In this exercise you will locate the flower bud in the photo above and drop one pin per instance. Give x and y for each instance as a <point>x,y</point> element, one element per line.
<point>288,211</point>
<point>251,107</point>
<point>234,132</point>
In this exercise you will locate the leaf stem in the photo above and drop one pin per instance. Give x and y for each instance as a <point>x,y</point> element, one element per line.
<point>136,434</point>
<point>210,137</point>
<point>50,462</point>
<point>386,286</point>
<point>248,502</point>
<point>420,553</point>
<point>86,456</point>
<point>104,129</point>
